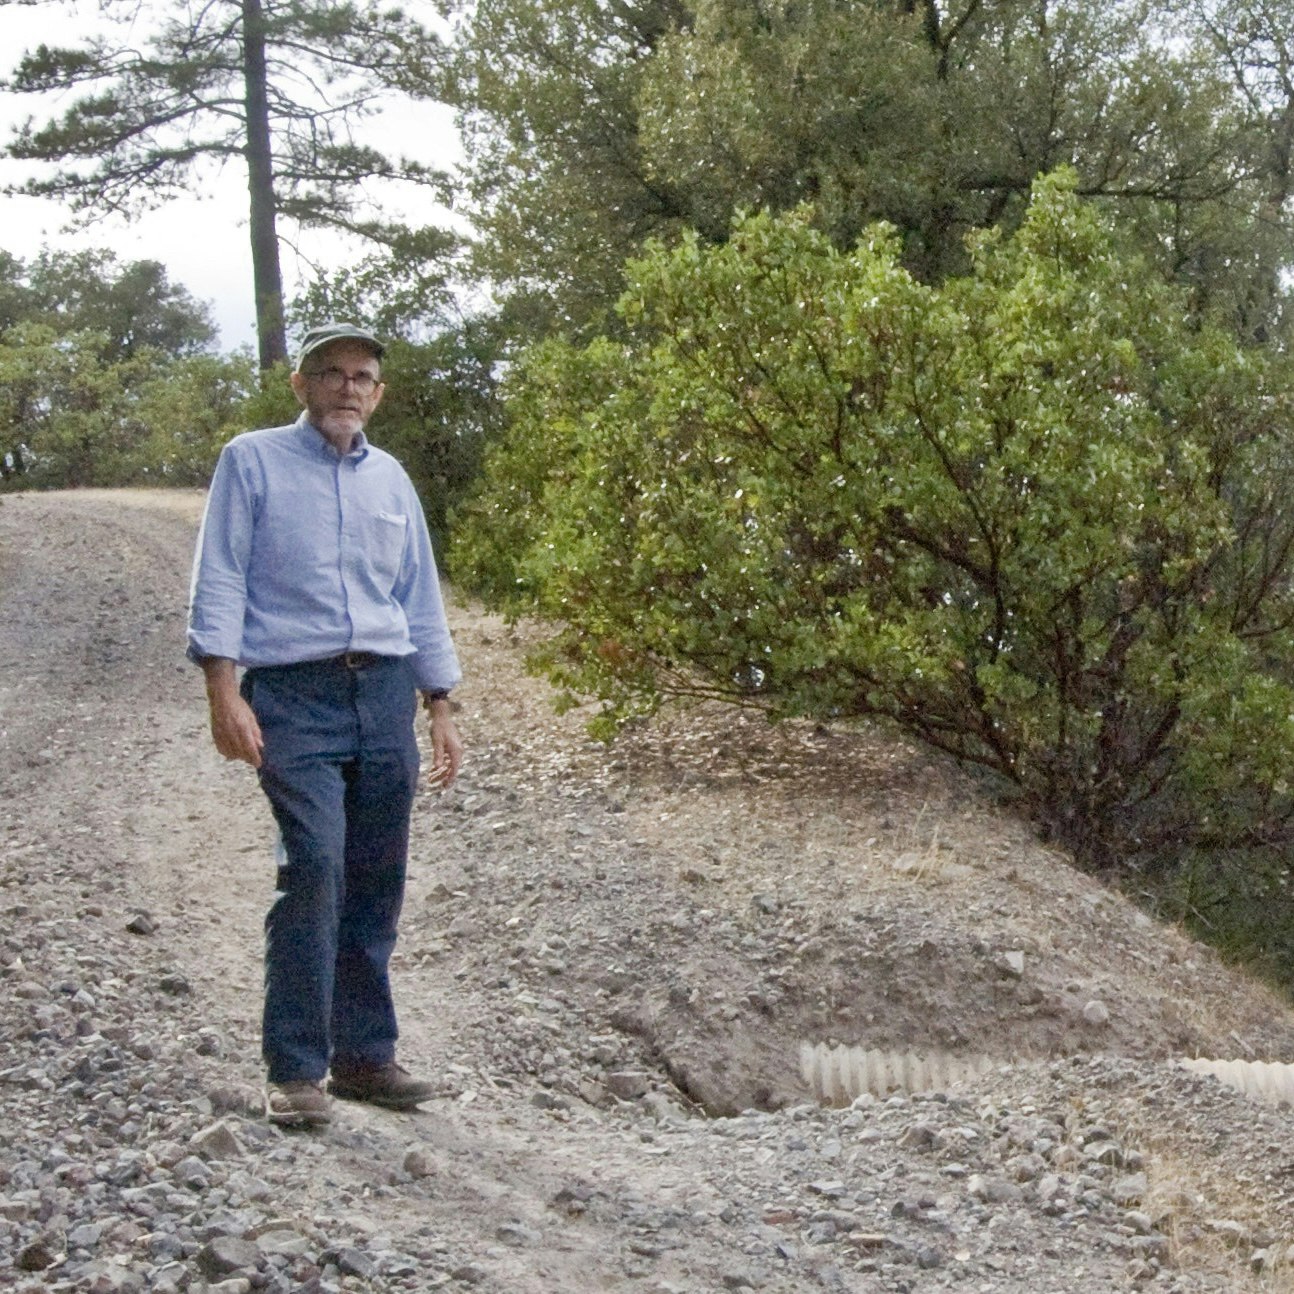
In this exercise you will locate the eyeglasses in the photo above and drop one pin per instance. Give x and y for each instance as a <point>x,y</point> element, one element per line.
<point>333,379</point>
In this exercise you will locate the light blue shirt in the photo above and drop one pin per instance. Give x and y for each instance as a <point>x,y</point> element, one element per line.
<point>305,554</point>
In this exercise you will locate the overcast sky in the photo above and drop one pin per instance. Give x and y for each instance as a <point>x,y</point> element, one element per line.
<point>202,241</point>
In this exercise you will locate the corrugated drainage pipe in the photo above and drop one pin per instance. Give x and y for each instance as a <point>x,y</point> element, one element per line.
<point>1265,1080</point>
<point>838,1075</point>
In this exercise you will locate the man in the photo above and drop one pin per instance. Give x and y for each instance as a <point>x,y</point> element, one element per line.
<point>314,571</point>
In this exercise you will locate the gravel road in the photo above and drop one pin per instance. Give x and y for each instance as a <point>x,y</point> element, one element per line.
<point>611,960</point>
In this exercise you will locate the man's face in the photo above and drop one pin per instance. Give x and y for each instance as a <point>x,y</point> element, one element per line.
<point>340,387</point>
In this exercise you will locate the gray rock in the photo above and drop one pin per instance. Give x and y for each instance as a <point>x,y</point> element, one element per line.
<point>1104,1152</point>
<point>517,1234</point>
<point>1130,1190</point>
<point>168,1153</point>
<point>216,1141</point>
<point>627,1084</point>
<point>284,1242</point>
<point>227,1254</point>
<point>1152,1246</point>
<point>416,1164</point>
<point>243,1186</point>
<point>170,1279</point>
<point>355,1262</point>
<point>1231,1232</point>
<point>85,1236</point>
<point>164,1247</point>
<point>192,1172</point>
<point>223,1223</point>
<point>231,1099</point>
<point>15,1210</point>
<point>109,1278</point>
<point>993,1190</point>
<point>928,1258</point>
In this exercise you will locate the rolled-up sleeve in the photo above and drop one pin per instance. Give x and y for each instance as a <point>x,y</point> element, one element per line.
<point>435,663</point>
<point>218,590</point>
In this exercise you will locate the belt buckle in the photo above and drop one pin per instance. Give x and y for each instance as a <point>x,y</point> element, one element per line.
<point>356,659</point>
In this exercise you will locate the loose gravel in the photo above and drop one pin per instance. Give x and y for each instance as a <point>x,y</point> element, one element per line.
<point>610,958</point>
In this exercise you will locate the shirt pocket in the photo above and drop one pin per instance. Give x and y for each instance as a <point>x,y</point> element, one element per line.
<point>384,536</point>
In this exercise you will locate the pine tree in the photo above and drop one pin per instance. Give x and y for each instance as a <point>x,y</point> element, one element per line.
<point>277,86</point>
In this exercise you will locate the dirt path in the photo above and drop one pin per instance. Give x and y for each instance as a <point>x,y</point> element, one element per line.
<point>601,950</point>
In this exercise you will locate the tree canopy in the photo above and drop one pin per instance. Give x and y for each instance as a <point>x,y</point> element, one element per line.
<point>879,429</point>
<point>107,375</point>
<point>133,305</point>
<point>591,127</point>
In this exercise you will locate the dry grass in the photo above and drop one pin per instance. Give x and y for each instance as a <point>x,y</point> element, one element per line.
<point>1218,1220</point>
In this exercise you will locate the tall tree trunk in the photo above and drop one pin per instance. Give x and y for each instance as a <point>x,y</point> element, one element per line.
<point>266,274</point>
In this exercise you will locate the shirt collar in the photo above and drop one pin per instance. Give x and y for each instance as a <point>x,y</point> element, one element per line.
<point>317,443</point>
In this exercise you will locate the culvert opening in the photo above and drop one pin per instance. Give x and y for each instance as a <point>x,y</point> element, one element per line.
<point>723,1091</point>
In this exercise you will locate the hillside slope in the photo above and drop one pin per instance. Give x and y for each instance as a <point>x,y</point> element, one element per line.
<point>610,960</point>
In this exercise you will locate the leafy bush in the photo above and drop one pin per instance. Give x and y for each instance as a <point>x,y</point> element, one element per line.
<point>439,412</point>
<point>1240,901</point>
<point>1034,516</point>
<point>69,418</point>
<point>270,403</point>
<point>185,411</point>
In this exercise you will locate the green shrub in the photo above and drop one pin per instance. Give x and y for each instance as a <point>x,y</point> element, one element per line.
<point>439,412</point>
<point>1035,516</point>
<point>1241,901</point>
<point>69,417</point>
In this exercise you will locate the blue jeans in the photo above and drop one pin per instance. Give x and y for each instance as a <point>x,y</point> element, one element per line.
<point>339,767</point>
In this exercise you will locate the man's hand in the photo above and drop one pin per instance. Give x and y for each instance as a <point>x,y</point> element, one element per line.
<point>233,725</point>
<point>446,745</point>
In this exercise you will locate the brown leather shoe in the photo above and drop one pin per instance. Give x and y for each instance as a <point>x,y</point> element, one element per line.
<point>299,1104</point>
<point>389,1085</point>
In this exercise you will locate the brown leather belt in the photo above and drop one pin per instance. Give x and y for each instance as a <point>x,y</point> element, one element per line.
<point>355,659</point>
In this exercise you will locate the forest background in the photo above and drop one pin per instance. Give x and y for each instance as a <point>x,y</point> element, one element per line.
<point>856,361</point>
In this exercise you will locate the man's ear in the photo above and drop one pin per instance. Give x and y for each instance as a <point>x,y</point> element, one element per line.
<point>299,388</point>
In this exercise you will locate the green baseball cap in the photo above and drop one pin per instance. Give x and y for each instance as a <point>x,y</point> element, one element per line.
<point>326,334</point>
